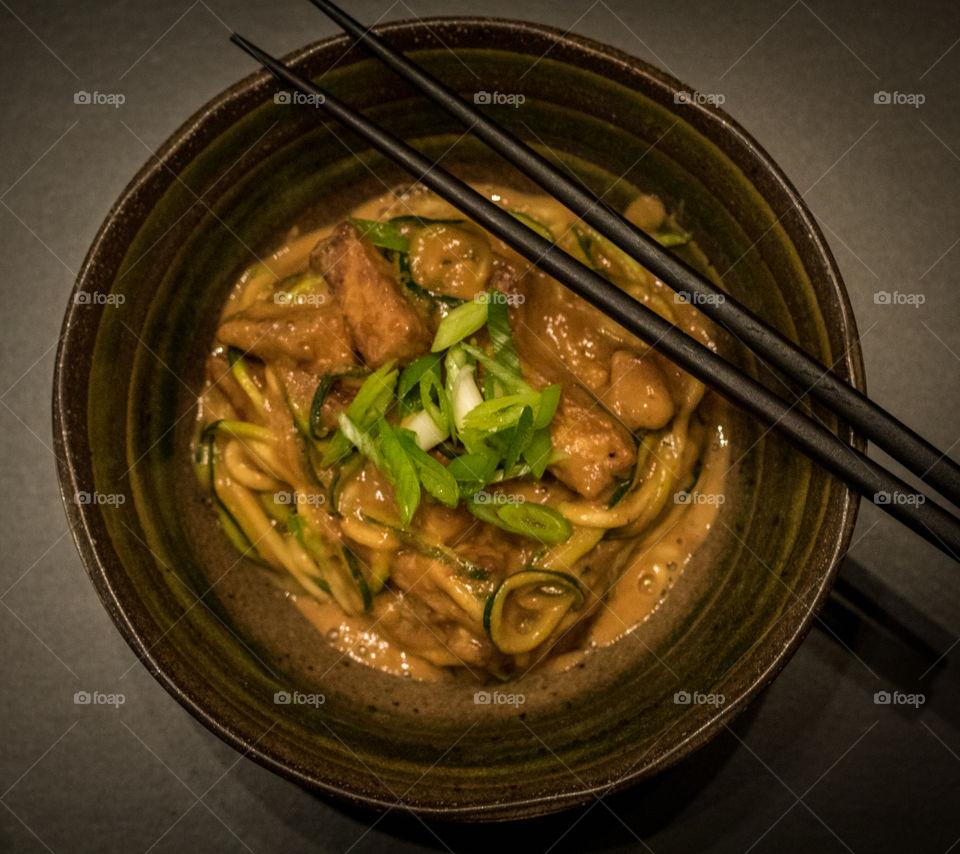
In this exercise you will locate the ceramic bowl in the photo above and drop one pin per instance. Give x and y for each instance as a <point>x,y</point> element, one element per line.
<point>228,185</point>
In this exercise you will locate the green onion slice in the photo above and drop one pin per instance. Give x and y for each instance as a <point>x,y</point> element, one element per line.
<point>460,323</point>
<point>400,470</point>
<point>383,234</point>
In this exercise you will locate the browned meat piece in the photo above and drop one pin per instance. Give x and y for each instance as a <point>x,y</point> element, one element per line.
<point>383,323</point>
<point>313,337</point>
<point>599,448</point>
<point>638,394</point>
<point>558,344</point>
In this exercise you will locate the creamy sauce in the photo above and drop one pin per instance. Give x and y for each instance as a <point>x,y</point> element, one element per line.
<point>663,554</point>
<point>657,556</point>
<point>358,638</point>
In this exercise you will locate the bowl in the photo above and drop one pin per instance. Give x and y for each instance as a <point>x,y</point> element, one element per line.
<point>229,646</point>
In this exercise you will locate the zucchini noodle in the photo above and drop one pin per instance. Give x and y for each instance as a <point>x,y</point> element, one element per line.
<point>385,426</point>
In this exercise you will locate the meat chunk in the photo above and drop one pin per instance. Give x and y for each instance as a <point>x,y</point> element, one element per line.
<point>598,448</point>
<point>382,322</point>
<point>638,392</point>
<point>560,345</point>
<point>312,337</point>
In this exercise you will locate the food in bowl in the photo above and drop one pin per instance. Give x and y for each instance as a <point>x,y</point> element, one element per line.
<point>448,458</point>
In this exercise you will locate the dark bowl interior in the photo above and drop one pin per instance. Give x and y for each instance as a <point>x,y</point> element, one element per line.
<point>232,181</point>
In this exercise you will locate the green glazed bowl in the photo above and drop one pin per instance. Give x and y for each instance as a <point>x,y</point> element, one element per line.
<point>232,181</point>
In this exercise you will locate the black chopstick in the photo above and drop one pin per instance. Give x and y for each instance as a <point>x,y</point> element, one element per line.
<point>870,479</point>
<point>872,421</point>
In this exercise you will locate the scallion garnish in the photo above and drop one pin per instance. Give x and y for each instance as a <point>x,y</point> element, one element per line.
<point>382,234</point>
<point>488,438</point>
<point>460,323</point>
<point>399,468</point>
<point>371,403</point>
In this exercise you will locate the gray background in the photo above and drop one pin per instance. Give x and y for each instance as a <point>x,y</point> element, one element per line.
<point>815,764</point>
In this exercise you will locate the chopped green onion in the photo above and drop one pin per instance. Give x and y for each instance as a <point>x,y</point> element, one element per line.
<point>513,382</point>
<point>382,234</point>
<point>536,520</point>
<point>466,397</point>
<point>526,518</point>
<point>501,412</point>
<point>371,402</point>
<point>460,323</point>
<point>362,440</point>
<point>549,399</point>
<point>538,452</point>
<point>473,471</point>
<point>399,468</point>
<point>375,395</point>
<point>439,410</point>
<point>425,429</point>
<point>522,434</point>
<point>501,338</point>
<point>407,392</point>
<point>433,475</point>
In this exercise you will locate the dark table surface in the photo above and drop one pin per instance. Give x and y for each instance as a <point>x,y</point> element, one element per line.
<point>815,764</point>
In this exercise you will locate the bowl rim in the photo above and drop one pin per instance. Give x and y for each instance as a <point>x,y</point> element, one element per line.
<point>90,535</point>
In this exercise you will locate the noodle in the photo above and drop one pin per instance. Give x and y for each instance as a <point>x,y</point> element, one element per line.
<point>438,443</point>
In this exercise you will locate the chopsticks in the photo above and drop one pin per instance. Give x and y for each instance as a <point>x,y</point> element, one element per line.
<point>871,480</point>
<point>866,417</point>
